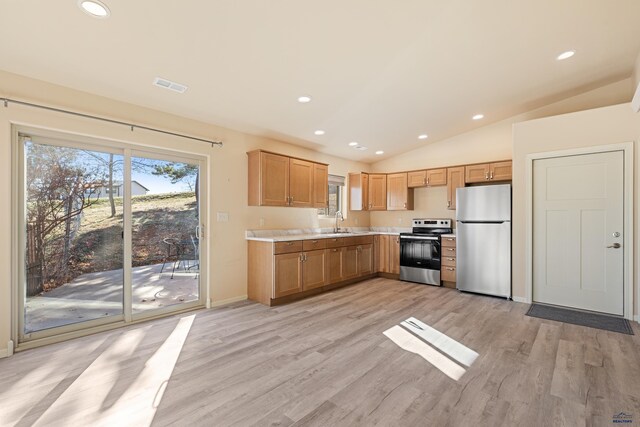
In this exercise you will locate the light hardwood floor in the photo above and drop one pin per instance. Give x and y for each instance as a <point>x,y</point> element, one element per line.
<point>324,361</point>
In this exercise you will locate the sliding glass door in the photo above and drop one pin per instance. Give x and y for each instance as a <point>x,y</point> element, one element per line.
<point>108,235</point>
<point>165,232</point>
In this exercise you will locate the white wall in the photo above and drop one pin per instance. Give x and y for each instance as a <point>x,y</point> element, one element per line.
<point>491,142</point>
<point>228,176</point>
<point>601,126</point>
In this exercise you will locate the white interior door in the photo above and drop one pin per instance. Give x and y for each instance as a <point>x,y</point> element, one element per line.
<point>578,217</point>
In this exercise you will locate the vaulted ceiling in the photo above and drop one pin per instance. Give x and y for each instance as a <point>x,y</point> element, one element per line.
<point>379,72</point>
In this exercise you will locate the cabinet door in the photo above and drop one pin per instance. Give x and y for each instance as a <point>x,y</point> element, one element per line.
<point>274,180</point>
<point>288,274</point>
<point>399,195</point>
<point>320,185</point>
<point>349,262</point>
<point>383,253</point>
<point>358,191</point>
<point>394,254</point>
<point>301,183</point>
<point>455,180</point>
<point>477,173</point>
<point>500,171</point>
<point>334,265</point>
<point>436,177</point>
<point>365,260</point>
<point>314,270</point>
<point>417,179</point>
<point>377,192</point>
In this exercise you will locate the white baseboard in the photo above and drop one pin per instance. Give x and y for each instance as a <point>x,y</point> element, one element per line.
<point>6,352</point>
<point>228,301</point>
<point>637,318</point>
<point>520,300</point>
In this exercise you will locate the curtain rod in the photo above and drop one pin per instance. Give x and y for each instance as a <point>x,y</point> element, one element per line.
<point>6,102</point>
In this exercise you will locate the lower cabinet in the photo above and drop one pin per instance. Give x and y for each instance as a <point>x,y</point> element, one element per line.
<point>286,269</point>
<point>288,274</point>
<point>388,254</point>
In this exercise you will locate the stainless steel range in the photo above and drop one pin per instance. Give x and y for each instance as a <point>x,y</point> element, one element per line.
<point>420,251</point>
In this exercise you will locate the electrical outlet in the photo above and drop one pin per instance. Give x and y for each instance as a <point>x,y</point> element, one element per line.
<point>223,216</point>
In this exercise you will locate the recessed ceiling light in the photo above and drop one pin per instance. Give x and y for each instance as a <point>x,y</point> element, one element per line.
<point>478,117</point>
<point>353,144</point>
<point>566,55</point>
<point>319,132</point>
<point>379,152</point>
<point>304,99</point>
<point>423,136</point>
<point>95,8</point>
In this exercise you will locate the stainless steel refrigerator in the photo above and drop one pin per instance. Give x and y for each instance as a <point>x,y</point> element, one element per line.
<point>483,239</point>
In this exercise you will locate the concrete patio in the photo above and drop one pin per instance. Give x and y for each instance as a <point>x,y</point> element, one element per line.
<point>97,295</point>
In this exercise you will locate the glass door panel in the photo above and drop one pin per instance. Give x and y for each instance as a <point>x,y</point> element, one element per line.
<point>165,233</point>
<point>73,236</point>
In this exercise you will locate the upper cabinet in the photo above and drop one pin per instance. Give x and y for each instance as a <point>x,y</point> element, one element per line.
<point>367,191</point>
<point>429,177</point>
<point>455,180</point>
<point>277,180</point>
<point>399,195</point>
<point>377,192</point>
<point>499,171</point>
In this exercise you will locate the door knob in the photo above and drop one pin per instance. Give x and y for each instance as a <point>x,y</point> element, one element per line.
<point>614,246</point>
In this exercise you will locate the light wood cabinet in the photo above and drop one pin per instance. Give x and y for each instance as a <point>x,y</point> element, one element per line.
<point>436,177</point>
<point>455,180</point>
<point>320,185</point>
<point>382,253</point>
<point>301,183</point>
<point>399,195</point>
<point>448,260</point>
<point>350,262</point>
<point>358,191</point>
<point>365,260</point>
<point>377,192</point>
<point>498,171</point>
<point>367,192</point>
<point>288,274</point>
<point>314,269</point>
<point>277,180</point>
<point>281,271</point>
<point>394,254</point>
<point>417,179</point>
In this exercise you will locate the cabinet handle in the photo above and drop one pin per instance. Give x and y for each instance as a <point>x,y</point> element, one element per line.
<point>449,268</point>
<point>450,249</point>
<point>427,180</point>
<point>451,259</point>
<point>448,203</point>
<point>450,239</point>
<point>289,243</point>
<point>405,205</point>
<point>314,241</point>
<point>334,250</point>
<point>486,175</point>
<point>491,175</point>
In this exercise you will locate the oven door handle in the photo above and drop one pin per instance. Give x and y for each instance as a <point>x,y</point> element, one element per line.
<point>419,238</point>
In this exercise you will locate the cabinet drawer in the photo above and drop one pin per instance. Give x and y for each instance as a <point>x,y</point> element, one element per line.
<point>448,274</point>
<point>448,261</point>
<point>312,245</point>
<point>287,247</point>
<point>362,240</point>
<point>448,251</point>
<point>449,242</point>
<point>336,242</point>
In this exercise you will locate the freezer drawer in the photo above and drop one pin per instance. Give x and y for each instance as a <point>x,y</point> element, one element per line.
<point>483,262</point>
<point>484,203</point>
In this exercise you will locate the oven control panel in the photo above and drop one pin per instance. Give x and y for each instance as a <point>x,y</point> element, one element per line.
<point>431,223</point>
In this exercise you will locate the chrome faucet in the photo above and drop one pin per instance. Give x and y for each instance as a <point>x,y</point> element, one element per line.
<point>338,216</point>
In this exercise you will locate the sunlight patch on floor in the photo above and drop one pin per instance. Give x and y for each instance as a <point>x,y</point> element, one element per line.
<point>440,350</point>
<point>97,396</point>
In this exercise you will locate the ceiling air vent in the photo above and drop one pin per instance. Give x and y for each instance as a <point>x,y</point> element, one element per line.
<point>168,84</point>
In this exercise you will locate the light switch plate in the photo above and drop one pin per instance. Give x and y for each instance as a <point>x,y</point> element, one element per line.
<point>223,216</point>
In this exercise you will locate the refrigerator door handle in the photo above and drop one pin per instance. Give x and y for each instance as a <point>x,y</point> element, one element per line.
<point>482,222</point>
